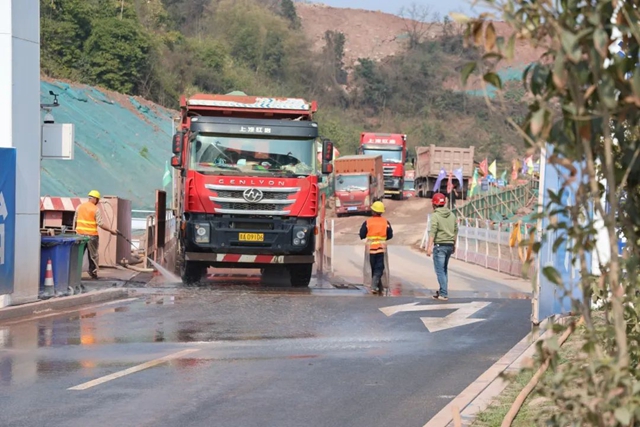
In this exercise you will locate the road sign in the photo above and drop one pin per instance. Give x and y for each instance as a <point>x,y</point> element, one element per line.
<point>7,218</point>
<point>459,317</point>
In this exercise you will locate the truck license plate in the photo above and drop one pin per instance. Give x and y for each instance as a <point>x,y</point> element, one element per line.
<point>251,237</point>
<point>352,209</point>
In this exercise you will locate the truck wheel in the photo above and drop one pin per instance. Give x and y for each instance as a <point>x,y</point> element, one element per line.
<point>192,272</point>
<point>300,275</point>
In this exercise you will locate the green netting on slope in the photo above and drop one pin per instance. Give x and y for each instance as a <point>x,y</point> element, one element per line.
<point>121,145</point>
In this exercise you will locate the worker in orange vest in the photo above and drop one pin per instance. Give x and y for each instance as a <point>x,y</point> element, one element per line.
<point>86,222</point>
<point>377,231</point>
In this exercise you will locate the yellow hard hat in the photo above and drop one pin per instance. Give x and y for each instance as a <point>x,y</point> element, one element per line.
<point>377,207</point>
<point>94,193</point>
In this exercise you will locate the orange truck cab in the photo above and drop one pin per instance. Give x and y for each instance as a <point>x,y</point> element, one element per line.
<point>247,196</point>
<point>359,181</point>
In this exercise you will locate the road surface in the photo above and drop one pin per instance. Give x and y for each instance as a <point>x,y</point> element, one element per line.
<point>235,352</point>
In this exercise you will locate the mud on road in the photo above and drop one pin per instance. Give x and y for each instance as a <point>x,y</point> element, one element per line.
<point>408,219</point>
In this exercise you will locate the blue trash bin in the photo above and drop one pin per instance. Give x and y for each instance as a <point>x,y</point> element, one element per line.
<point>58,250</point>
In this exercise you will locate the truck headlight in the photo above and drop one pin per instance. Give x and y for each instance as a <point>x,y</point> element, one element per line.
<point>299,236</point>
<point>202,233</point>
<point>367,201</point>
<point>337,202</point>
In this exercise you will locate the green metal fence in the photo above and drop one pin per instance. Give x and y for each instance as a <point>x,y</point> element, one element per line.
<point>499,205</point>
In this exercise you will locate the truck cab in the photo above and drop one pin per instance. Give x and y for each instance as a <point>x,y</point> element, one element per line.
<point>393,149</point>
<point>359,182</point>
<point>248,191</point>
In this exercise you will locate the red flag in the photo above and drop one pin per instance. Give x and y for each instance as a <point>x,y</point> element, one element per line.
<point>514,170</point>
<point>450,183</point>
<point>484,167</point>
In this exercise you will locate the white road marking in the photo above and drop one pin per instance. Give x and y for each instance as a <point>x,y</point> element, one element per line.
<point>459,317</point>
<point>52,313</point>
<point>133,370</point>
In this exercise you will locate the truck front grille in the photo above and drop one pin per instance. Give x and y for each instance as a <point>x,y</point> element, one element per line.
<point>388,170</point>
<point>274,202</point>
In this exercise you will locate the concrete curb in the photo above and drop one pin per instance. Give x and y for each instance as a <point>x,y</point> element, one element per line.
<point>53,304</point>
<point>482,392</point>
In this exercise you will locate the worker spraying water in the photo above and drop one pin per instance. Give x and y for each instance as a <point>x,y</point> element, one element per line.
<point>377,231</point>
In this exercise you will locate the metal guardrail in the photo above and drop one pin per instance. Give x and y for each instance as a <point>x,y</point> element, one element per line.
<point>503,202</point>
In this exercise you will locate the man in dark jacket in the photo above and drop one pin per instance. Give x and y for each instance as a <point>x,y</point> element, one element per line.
<point>377,230</point>
<point>443,235</point>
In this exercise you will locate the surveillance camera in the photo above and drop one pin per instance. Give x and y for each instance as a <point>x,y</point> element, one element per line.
<point>48,118</point>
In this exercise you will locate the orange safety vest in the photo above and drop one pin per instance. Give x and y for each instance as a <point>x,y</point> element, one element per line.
<point>86,222</point>
<point>377,234</point>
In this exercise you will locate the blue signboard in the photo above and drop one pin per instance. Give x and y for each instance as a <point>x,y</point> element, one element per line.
<point>7,218</point>
<point>553,299</point>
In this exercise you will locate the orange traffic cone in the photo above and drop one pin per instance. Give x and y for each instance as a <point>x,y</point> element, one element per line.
<point>48,280</point>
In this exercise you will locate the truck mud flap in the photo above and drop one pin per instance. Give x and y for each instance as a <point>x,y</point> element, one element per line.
<point>250,259</point>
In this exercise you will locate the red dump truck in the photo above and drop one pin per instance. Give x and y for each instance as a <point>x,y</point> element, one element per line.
<point>248,194</point>
<point>359,181</point>
<point>429,161</point>
<point>409,184</point>
<point>393,149</point>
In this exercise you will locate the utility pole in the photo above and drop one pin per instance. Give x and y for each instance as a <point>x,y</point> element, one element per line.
<point>121,9</point>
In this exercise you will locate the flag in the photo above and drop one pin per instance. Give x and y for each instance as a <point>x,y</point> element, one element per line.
<point>442,175</point>
<point>458,175</point>
<point>166,179</point>
<point>529,165</point>
<point>450,183</point>
<point>483,167</point>
<point>492,169</point>
<point>504,176</point>
<point>524,165</point>
<point>514,170</point>
<point>474,183</point>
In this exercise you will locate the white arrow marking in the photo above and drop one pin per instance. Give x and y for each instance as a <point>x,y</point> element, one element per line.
<point>459,317</point>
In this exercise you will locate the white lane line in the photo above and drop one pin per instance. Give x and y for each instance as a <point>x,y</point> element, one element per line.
<point>134,369</point>
<point>52,313</point>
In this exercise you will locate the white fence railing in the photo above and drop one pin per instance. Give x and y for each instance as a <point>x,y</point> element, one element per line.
<point>492,245</point>
<point>324,247</point>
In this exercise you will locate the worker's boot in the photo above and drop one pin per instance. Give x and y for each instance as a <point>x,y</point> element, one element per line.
<point>376,285</point>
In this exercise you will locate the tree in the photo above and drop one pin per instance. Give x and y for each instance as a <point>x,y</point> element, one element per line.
<point>416,23</point>
<point>288,10</point>
<point>584,104</point>
<point>117,54</point>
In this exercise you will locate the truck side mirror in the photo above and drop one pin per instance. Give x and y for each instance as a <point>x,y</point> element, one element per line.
<point>178,139</point>
<point>327,157</point>
<point>176,162</point>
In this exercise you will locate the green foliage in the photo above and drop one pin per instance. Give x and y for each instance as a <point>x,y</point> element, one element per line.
<point>117,55</point>
<point>144,152</point>
<point>585,102</point>
<point>161,49</point>
<point>288,10</point>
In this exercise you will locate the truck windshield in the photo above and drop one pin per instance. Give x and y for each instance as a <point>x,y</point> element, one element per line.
<point>408,185</point>
<point>388,156</point>
<point>352,182</point>
<point>243,154</point>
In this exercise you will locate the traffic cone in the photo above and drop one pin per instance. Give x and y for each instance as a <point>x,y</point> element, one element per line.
<point>48,280</point>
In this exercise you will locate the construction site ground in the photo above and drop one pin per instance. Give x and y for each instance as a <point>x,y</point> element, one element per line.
<point>412,272</point>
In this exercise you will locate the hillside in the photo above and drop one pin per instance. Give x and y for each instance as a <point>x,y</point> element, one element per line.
<point>121,144</point>
<point>377,35</point>
<point>160,49</point>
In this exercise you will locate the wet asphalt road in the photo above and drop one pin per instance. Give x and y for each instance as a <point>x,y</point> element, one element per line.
<point>246,358</point>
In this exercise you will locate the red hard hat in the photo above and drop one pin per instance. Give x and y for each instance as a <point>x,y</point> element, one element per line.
<point>438,199</point>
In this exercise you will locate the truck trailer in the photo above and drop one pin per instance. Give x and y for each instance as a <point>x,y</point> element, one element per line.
<point>393,149</point>
<point>429,161</point>
<point>359,181</point>
<point>248,190</point>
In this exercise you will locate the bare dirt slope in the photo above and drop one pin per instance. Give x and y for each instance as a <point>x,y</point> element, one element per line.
<point>408,219</point>
<point>377,35</point>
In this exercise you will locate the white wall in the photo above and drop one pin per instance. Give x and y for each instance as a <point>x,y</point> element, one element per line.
<point>20,128</point>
